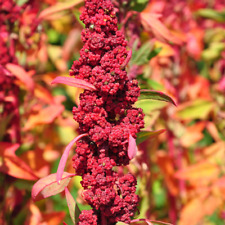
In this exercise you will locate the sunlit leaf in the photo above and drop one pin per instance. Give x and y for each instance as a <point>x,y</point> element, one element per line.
<point>12,165</point>
<point>145,135</point>
<point>193,134</point>
<point>21,74</point>
<point>151,22</point>
<point>203,170</point>
<point>156,95</point>
<point>197,109</point>
<point>54,218</point>
<point>149,105</point>
<point>166,165</point>
<point>65,156</point>
<point>213,52</point>
<point>221,183</point>
<point>163,49</point>
<point>48,186</point>
<point>60,6</point>
<point>43,94</point>
<point>45,116</point>
<point>218,16</point>
<point>74,83</point>
<point>190,209</point>
<point>40,167</point>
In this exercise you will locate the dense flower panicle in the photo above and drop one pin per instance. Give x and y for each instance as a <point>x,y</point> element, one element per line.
<point>107,115</point>
<point>9,11</point>
<point>88,217</point>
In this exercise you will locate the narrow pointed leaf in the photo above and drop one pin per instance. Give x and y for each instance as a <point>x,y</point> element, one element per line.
<point>21,74</point>
<point>77,214</point>
<point>48,186</point>
<point>150,222</point>
<point>60,6</point>
<point>156,95</point>
<point>74,83</point>
<point>71,205</point>
<point>44,116</point>
<point>132,147</point>
<point>151,22</point>
<point>144,135</point>
<point>64,157</point>
<point>139,220</point>
<point>13,165</point>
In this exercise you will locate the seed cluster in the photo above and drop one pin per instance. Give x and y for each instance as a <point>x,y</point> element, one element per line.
<point>107,115</point>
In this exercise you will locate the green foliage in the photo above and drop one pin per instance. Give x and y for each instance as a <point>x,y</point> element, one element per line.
<point>143,54</point>
<point>212,14</point>
<point>198,109</point>
<point>138,5</point>
<point>155,95</point>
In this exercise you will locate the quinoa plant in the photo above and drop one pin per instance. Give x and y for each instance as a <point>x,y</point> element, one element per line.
<point>107,116</point>
<point>108,122</point>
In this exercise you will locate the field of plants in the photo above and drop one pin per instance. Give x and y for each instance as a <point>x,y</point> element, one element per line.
<point>112,112</point>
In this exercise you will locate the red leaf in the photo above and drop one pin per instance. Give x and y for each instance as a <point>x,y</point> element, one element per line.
<point>60,6</point>
<point>21,74</point>
<point>151,20</point>
<point>132,147</point>
<point>48,186</point>
<point>45,116</point>
<point>64,157</point>
<point>12,164</point>
<point>204,171</point>
<point>74,83</point>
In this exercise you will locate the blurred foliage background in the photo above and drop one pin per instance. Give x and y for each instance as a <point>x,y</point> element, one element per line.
<point>178,48</point>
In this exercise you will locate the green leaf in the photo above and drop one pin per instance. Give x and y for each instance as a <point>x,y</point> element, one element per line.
<point>144,135</point>
<point>4,123</point>
<point>158,194</point>
<point>71,205</point>
<point>141,55</point>
<point>155,85</point>
<point>77,15</point>
<point>154,53</point>
<point>77,214</point>
<point>21,2</point>
<point>212,14</point>
<point>138,5</point>
<point>156,95</point>
<point>213,52</point>
<point>149,105</point>
<point>198,109</point>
